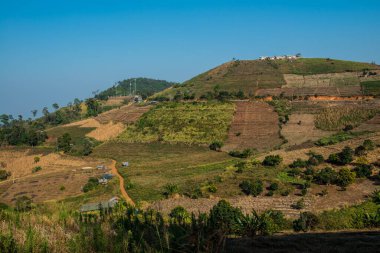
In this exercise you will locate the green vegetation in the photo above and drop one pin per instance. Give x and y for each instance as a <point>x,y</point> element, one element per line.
<point>342,158</point>
<point>371,88</point>
<point>241,154</point>
<point>4,174</point>
<point>253,188</point>
<point>91,184</point>
<point>145,87</point>
<point>338,137</point>
<point>337,118</point>
<point>283,108</point>
<point>249,75</point>
<point>272,160</point>
<point>36,169</point>
<point>154,165</point>
<point>182,123</point>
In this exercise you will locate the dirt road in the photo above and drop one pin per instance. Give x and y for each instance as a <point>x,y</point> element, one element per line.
<point>121,184</point>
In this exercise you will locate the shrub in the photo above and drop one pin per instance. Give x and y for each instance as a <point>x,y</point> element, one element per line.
<point>62,188</point>
<point>300,204</point>
<point>360,150</point>
<point>342,158</point>
<point>36,169</point>
<point>170,189</point>
<point>272,160</point>
<point>294,172</point>
<point>252,187</point>
<point>64,143</point>
<point>273,186</point>
<point>363,170</point>
<point>299,163</point>
<point>315,159</point>
<point>36,159</point>
<point>325,176</point>
<point>306,222</point>
<point>23,204</point>
<point>216,145</point>
<point>368,145</point>
<point>179,214</point>
<point>304,192</point>
<point>91,184</point>
<point>285,192</point>
<point>212,188</point>
<point>309,171</point>
<point>269,193</point>
<point>345,177</point>
<point>4,174</point>
<point>225,217</point>
<point>244,154</point>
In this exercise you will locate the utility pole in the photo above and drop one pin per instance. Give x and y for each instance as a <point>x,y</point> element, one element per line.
<point>135,86</point>
<point>130,88</point>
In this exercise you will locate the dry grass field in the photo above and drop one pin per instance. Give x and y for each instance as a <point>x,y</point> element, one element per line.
<point>255,125</point>
<point>301,128</point>
<point>57,171</point>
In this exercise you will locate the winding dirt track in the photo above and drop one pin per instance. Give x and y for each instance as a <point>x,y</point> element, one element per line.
<point>121,184</point>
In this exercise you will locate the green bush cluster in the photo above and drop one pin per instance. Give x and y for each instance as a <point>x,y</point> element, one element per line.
<point>252,187</point>
<point>91,184</point>
<point>272,160</point>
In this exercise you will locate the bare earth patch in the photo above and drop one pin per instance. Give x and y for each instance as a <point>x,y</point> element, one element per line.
<point>126,114</point>
<point>300,128</point>
<point>255,125</point>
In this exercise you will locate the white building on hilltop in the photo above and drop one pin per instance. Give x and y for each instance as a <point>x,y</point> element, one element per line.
<point>280,57</point>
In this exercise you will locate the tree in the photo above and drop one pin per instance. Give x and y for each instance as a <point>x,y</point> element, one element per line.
<point>45,111</point>
<point>55,106</point>
<point>93,107</point>
<point>252,187</point>
<point>363,170</point>
<point>345,177</point>
<point>34,113</point>
<point>64,143</point>
<point>4,174</point>
<point>216,145</point>
<point>36,159</point>
<point>325,176</point>
<point>272,160</point>
<point>88,146</point>
<point>368,145</point>
<point>342,158</point>
<point>306,222</point>
<point>225,218</point>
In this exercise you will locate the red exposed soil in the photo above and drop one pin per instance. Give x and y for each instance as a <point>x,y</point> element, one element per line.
<point>255,125</point>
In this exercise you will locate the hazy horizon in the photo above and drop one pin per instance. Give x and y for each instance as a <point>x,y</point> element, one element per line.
<point>57,51</point>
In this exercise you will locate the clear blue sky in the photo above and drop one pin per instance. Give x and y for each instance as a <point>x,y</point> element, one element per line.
<point>53,51</point>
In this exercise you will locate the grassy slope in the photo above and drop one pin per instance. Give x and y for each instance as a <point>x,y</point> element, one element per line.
<point>371,88</point>
<point>182,122</point>
<point>154,165</point>
<point>250,75</point>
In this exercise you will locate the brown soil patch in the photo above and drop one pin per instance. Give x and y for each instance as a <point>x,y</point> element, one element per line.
<point>255,125</point>
<point>106,131</point>
<point>126,114</point>
<point>300,128</point>
<point>57,170</point>
<point>371,125</point>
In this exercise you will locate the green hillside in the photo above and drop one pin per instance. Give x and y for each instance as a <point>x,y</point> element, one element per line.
<point>144,86</point>
<point>251,75</point>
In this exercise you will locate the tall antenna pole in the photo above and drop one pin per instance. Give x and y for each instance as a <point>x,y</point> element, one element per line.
<point>135,86</point>
<point>130,88</point>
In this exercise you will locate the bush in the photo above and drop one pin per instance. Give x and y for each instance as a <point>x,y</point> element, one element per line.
<point>368,145</point>
<point>363,170</point>
<point>36,169</point>
<point>244,154</point>
<point>23,204</point>
<point>315,159</point>
<point>342,158</point>
<point>64,143</point>
<point>4,174</point>
<point>170,189</point>
<point>225,217</point>
<point>216,145</point>
<point>91,184</point>
<point>272,160</point>
<point>179,214</point>
<point>294,172</point>
<point>273,186</point>
<point>360,150</point>
<point>299,163</point>
<point>300,204</point>
<point>325,176</point>
<point>345,177</point>
<point>306,222</point>
<point>304,192</point>
<point>252,187</point>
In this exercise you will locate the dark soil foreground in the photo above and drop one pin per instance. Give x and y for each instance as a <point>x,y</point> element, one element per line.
<point>367,242</point>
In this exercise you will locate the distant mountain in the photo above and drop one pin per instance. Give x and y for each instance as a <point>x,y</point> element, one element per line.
<point>302,76</point>
<point>144,87</point>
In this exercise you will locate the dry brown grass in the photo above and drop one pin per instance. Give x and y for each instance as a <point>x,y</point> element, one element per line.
<point>106,131</point>
<point>300,128</point>
<point>57,170</point>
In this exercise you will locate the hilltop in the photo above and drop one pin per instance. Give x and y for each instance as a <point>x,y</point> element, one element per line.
<point>303,76</point>
<point>144,87</point>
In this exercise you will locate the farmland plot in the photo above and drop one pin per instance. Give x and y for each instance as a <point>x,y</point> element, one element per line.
<point>255,125</point>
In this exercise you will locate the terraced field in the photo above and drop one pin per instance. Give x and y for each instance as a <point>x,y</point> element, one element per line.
<point>255,125</point>
<point>126,114</point>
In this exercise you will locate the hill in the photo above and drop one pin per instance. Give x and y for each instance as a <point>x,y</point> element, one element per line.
<point>144,86</point>
<point>304,76</point>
